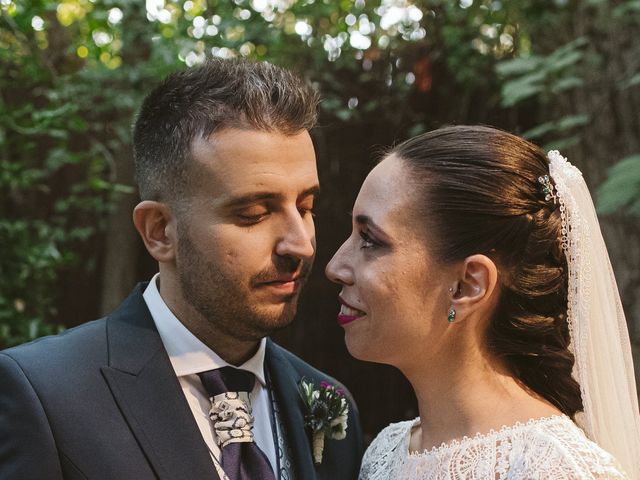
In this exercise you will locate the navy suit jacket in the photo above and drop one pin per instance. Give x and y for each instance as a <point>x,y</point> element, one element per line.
<point>101,401</point>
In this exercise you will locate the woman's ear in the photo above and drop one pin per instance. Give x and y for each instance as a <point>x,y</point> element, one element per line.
<point>156,226</point>
<point>479,277</point>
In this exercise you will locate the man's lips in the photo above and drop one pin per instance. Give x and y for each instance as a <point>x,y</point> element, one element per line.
<point>284,284</point>
<point>348,313</point>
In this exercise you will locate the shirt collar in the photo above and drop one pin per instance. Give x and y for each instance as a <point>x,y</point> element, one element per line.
<point>188,355</point>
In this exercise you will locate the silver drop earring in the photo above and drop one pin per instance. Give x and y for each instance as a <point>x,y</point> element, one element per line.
<point>451,315</point>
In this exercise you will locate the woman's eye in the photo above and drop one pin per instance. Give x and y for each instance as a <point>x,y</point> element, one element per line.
<point>367,241</point>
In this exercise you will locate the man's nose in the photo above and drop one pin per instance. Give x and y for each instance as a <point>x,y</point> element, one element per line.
<point>298,237</point>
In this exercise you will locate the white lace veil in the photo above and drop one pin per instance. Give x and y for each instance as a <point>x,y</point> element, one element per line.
<point>599,336</point>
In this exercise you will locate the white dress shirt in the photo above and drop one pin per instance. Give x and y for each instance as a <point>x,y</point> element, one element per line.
<point>189,356</point>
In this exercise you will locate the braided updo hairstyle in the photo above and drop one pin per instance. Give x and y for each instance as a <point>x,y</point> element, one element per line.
<point>480,193</point>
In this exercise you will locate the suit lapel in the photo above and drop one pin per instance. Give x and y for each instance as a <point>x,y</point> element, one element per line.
<point>284,381</point>
<point>149,395</point>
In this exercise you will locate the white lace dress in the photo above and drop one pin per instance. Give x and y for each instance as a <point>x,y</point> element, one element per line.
<point>542,449</point>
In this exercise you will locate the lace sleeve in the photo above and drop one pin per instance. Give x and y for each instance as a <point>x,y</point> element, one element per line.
<point>378,460</point>
<point>567,453</point>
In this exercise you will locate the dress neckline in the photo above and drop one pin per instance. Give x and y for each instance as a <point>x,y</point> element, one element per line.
<point>491,434</point>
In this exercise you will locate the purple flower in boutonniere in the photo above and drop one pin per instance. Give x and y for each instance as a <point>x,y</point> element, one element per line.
<point>326,414</point>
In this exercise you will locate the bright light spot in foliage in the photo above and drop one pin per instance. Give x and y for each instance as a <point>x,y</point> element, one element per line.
<point>223,52</point>
<point>101,38</point>
<point>37,23</point>
<point>68,12</point>
<point>390,17</point>
<point>303,28</point>
<point>366,27</point>
<point>193,58</point>
<point>489,31</point>
<point>212,30</point>
<point>410,78</point>
<point>352,103</point>
<point>82,51</point>
<point>216,19</point>
<point>333,45</point>
<point>247,49</point>
<point>350,19</point>
<point>154,7</point>
<point>506,40</point>
<point>199,22</point>
<point>414,13</point>
<point>418,34</point>
<point>359,41</point>
<point>259,5</point>
<point>164,16</point>
<point>187,6</point>
<point>244,14</point>
<point>115,15</point>
<point>465,3</point>
<point>400,17</point>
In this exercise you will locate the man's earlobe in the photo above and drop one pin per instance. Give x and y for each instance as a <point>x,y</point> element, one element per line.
<point>156,226</point>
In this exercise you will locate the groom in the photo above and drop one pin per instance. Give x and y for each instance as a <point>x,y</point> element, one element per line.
<point>227,176</point>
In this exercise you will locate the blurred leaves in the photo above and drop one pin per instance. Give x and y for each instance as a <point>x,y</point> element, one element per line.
<point>541,75</point>
<point>546,78</point>
<point>621,190</point>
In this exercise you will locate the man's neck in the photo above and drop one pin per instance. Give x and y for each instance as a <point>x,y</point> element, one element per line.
<point>231,349</point>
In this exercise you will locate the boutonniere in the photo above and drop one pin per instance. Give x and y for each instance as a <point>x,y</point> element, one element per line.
<point>326,414</point>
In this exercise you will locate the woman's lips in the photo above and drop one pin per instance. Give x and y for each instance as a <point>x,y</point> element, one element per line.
<point>348,314</point>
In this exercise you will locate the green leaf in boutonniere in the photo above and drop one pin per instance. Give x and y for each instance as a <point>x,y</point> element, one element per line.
<point>326,414</point>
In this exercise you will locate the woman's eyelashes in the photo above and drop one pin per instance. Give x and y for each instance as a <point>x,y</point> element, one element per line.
<point>367,241</point>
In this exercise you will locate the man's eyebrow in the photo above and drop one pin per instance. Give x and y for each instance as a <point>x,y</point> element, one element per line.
<point>251,198</point>
<point>257,197</point>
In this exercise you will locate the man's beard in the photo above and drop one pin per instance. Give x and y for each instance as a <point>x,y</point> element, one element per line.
<point>224,302</point>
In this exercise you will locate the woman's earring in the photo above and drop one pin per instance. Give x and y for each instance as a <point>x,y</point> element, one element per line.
<point>451,316</point>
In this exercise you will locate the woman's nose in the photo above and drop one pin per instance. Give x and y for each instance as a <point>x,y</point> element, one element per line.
<point>338,269</point>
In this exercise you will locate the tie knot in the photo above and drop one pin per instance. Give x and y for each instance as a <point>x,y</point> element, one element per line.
<point>227,379</point>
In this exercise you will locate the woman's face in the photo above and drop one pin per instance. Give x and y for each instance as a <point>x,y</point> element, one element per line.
<point>394,294</point>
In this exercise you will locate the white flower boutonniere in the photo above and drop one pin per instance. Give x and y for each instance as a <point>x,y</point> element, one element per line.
<point>327,411</point>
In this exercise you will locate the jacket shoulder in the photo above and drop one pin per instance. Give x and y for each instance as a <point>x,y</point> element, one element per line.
<point>73,345</point>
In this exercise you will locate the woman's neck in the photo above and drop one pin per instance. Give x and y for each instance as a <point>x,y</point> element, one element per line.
<point>469,397</point>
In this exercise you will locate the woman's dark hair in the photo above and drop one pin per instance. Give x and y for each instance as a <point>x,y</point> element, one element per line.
<point>480,194</point>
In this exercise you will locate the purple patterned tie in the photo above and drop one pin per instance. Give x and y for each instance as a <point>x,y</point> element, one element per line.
<point>228,390</point>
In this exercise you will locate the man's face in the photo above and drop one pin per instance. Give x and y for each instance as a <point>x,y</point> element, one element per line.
<point>247,240</point>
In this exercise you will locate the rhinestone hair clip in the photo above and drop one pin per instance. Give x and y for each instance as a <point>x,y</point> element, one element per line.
<point>547,189</point>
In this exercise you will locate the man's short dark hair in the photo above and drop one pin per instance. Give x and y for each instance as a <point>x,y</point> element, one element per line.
<point>196,102</point>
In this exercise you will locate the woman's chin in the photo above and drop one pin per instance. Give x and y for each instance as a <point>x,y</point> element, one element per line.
<point>361,349</point>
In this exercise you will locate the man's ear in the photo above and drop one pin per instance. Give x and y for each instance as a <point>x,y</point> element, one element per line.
<point>479,277</point>
<point>156,226</point>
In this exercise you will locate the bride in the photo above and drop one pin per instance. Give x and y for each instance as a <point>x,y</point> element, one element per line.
<point>476,266</point>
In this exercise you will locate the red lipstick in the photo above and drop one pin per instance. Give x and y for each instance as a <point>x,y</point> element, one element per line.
<point>348,317</point>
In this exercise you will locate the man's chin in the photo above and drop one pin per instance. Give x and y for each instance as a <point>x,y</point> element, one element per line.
<point>276,317</point>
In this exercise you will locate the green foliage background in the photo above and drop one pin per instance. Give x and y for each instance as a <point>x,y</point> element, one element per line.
<point>73,73</point>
